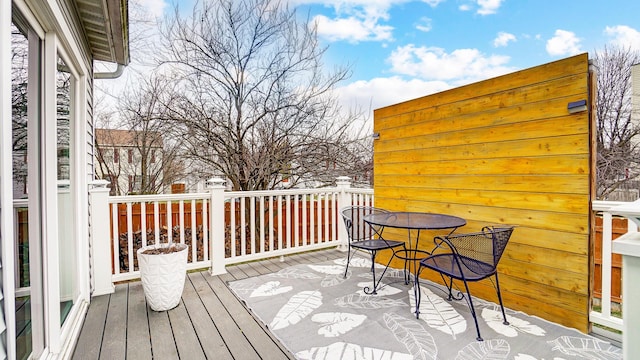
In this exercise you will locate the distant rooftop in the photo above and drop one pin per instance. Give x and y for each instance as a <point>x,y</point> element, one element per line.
<point>117,137</point>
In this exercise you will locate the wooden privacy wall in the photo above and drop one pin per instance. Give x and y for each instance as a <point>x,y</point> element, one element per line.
<point>503,151</point>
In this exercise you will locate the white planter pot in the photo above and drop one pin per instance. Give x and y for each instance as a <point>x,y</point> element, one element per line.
<point>163,276</point>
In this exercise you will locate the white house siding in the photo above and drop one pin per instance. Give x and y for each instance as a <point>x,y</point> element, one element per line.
<point>90,131</point>
<point>128,169</point>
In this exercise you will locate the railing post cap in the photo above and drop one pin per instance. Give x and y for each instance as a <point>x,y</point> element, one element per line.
<point>64,185</point>
<point>343,181</point>
<point>100,183</point>
<point>215,182</point>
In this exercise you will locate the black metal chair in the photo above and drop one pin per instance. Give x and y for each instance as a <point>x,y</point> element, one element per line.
<point>467,257</point>
<point>363,235</point>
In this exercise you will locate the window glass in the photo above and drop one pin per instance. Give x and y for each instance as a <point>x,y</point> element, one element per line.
<point>63,114</point>
<point>66,248</point>
<point>20,59</point>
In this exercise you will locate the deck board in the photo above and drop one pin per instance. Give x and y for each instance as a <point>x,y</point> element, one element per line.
<point>115,334</point>
<point>258,267</point>
<point>209,323</point>
<point>248,269</point>
<point>162,340</point>
<point>235,272</point>
<point>261,342</point>
<point>212,343</point>
<point>138,336</point>
<point>232,335</point>
<point>87,347</point>
<point>272,266</point>
<point>186,339</point>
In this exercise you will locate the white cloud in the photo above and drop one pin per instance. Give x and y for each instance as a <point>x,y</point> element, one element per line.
<point>464,7</point>
<point>433,3</point>
<point>462,66</point>
<point>355,20</point>
<point>503,39</point>
<point>154,8</point>
<point>424,25</point>
<point>359,8</point>
<point>368,95</point>
<point>563,43</point>
<point>624,36</point>
<point>488,7</point>
<point>352,29</point>
<point>359,20</point>
<point>380,92</point>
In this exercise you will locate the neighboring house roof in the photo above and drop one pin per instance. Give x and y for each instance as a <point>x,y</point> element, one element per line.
<point>115,137</point>
<point>106,28</point>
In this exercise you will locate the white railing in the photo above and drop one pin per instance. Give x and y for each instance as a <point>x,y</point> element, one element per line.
<point>605,315</point>
<point>257,224</point>
<point>275,223</point>
<point>267,224</point>
<point>141,220</point>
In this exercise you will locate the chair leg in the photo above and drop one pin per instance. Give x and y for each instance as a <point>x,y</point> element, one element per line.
<point>473,311</point>
<point>450,287</point>
<point>348,261</point>
<point>374,290</point>
<point>504,316</point>
<point>373,273</point>
<point>417,294</point>
<point>407,271</point>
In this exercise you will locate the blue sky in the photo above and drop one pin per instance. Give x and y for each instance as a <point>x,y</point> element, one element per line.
<point>401,49</point>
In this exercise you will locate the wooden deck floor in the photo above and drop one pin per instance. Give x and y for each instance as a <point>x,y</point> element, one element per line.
<point>209,323</point>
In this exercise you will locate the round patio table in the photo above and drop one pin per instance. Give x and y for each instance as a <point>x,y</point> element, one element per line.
<point>415,221</point>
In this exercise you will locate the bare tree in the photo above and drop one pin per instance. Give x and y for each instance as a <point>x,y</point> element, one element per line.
<point>146,111</point>
<point>115,108</point>
<point>617,126</point>
<point>146,133</point>
<point>258,107</point>
<point>361,160</point>
<point>19,82</point>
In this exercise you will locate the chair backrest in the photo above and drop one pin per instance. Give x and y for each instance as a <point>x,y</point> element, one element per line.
<point>501,236</point>
<point>357,228</point>
<point>486,246</point>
